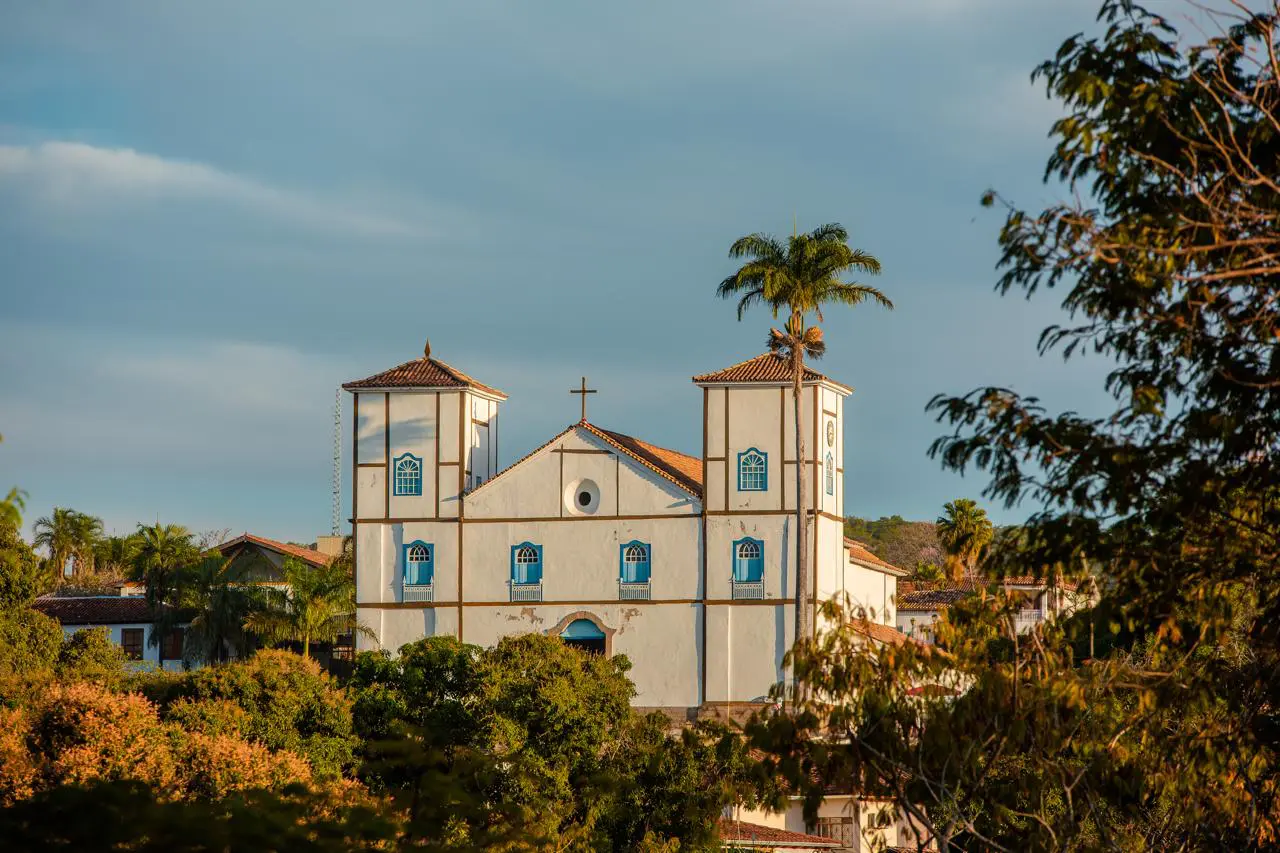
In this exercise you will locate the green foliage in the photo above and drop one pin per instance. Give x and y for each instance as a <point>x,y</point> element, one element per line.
<point>30,642</point>
<point>22,578</point>
<point>212,596</point>
<point>535,742</point>
<point>164,549</point>
<point>964,531</point>
<point>318,605</point>
<point>288,703</point>
<point>68,535</point>
<point>89,655</point>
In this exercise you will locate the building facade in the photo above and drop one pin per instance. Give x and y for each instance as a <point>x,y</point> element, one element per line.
<point>686,564</point>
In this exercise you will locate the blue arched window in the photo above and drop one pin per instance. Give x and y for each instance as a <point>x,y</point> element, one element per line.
<point>634,561</point>
<point>408,475</point>
<point>526,563</point>
<point>831,474</point>
<point>419,563</point>
<point>753,471</point>
<point>748,561</point>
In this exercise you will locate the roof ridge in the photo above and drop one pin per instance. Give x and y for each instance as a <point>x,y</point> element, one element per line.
<point>607,436</point>
<point>741,363</point>
<point>650,443</point>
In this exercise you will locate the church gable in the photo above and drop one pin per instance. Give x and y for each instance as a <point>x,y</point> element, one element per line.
<point>590,473</point>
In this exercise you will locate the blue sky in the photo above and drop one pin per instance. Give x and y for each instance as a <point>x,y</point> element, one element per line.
<point>213,214</point>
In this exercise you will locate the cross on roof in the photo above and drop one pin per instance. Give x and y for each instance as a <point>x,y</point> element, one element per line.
<point>584,391</point>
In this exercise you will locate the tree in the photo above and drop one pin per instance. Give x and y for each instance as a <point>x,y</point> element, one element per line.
<point>164,549</point>
<point>800,277</point>
<point>214,598</point>
<point>22,577</point>
<point>1167,258</point>
<point>68,535</point>
<point>117,555</point>
<point>12,505</point>
<point>533,743</point>
<point>316,603</point>
<point>964,532</point>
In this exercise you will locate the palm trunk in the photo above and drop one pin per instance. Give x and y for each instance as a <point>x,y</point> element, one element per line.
<point>306,645</point>
<point>802,494</point>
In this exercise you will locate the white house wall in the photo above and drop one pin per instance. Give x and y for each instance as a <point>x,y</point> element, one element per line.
<point>414,430</point>
<point>745,646</point>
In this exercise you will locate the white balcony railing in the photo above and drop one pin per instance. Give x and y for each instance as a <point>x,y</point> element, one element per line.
<point>748,590</point>
<point>418,592</point>
<point>1025,620</point>
<point>526,591</point>
<point>633,591</point>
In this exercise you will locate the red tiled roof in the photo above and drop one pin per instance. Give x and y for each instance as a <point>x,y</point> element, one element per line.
<point>861,554</point>
<point>421,373</point>
<point>308,555</point>
<point>883,633</point>
<point>935,595</point>
<point>681,468</point>
<point>94,610</point>
<point>742,834</point>
<point>763,368</point>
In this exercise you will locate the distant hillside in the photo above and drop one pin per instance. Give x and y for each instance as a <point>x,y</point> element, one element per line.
<point>896,540</point>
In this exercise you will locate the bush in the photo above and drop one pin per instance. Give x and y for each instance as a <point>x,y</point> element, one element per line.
<point>289,703</point>
<point>89,655</point>
<point>80,734</point>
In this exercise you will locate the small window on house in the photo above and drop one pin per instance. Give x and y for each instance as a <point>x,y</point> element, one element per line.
<point>526,563</point>
<point>419,564</point>
<point>748,561</point>
<point>635,563</point>
<point>753,471</point>
<point>131,642</point>
<point>831,474</point>
<point>171,648</point>
<point>408,476</point>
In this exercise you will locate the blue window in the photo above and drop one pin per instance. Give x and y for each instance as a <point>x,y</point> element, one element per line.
<point>408,475</point>
<point>526,563</point>
<point>419,563</point>
<point>748,561</point>
<point>582,629</point>
<point>634,560</point>
<point>753,471</point>
<point>831,475</point>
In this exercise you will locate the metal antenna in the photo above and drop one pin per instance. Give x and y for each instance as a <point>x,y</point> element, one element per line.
<point>336,507</point>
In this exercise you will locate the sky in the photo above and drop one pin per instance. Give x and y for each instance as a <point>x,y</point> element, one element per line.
<point>213,214</point>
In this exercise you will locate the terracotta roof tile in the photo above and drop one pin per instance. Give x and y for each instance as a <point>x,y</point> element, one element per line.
<point>762,368</point>
<point>860,553</point>
<point>883,633</point>
<point>934,595</point>
<point>94,610</point>
<point>308,555</point>
<point>681,468</point>
<point>758,835</point>
<point>421,373</point>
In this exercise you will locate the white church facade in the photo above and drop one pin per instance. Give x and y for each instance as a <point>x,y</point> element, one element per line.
<point>686,564</point>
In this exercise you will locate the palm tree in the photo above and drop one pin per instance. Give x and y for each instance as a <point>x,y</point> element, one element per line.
<point>117,554</point>
<point>214,597</point>
<point>799,277</point>
<point>68,535</point>
<point>964,532</point>
<point>316,604</point>
<point>162,551</point>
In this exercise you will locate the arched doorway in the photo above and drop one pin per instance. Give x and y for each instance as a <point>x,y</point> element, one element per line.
<point>584,634</point>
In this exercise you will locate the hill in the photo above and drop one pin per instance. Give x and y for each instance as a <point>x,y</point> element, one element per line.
<point>896,540</point>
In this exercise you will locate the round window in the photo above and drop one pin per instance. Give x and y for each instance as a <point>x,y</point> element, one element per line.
<point>582,497</point>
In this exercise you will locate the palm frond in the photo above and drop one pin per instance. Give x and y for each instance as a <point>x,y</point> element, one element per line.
<point>758,245</point>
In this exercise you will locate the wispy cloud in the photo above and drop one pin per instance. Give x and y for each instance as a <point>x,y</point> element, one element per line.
<point>73,176</point>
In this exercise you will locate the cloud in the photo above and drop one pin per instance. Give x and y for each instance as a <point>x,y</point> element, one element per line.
<point>73,176</point>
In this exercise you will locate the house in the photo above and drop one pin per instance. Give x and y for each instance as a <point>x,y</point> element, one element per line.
<point>264,556</point>
<point>127,619</point>
<point>685,563</point>
<point>920,603</point>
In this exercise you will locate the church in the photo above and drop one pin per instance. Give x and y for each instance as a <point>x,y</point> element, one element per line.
<point>685,564</point>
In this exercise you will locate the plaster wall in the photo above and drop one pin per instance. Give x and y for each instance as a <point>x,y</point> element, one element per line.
<point>745,646</point>
<point>370,425</point>
<point>150,653</point>
<point>413,430</point>
<point>775,531</point>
